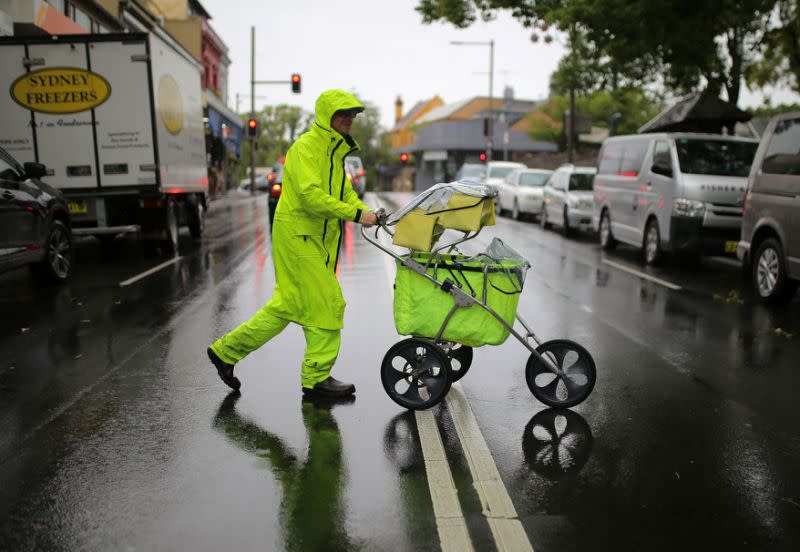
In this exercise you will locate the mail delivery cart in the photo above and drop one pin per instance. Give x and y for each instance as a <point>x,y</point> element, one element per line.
<point>450,303</point>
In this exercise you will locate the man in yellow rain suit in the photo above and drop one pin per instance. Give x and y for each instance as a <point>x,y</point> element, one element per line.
<point>316,200</point>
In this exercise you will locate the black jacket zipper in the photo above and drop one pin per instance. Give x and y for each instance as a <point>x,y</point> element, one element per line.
<point>330,191</point>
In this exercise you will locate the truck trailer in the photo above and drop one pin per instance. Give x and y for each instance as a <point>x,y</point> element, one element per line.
<point>117,119</point>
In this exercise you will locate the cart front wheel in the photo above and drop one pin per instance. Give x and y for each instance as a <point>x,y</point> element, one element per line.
<point>577,366</point>
<point>416,373</point>
<point>460,360</point>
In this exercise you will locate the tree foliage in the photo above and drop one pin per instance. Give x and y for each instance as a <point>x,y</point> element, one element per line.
<point>685,43</point>
<point>780,63</point>
<point>633,106</point>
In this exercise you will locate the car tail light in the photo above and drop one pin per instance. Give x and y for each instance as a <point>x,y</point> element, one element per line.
<point>276,190</point>
<point>361,172</point>
<point>271,177</point>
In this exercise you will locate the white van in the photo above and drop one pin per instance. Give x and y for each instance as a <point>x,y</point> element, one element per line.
<point>672,192</point>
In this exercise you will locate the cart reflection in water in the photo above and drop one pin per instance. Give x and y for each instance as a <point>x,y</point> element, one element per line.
<point>450,302</point>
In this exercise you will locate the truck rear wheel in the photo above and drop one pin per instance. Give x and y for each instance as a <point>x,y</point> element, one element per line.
<point>197,218</point>
<point>171,227</point>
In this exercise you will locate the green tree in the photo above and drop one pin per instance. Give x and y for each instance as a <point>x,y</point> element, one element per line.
<point>687,43</point>
<point>368,133</point>
<point>780,63</point>
<point>634,107</point>
<point>280,126</point>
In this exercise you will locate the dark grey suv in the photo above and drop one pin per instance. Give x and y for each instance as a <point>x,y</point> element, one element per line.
<point>35,225</point>
<point>770,242</point>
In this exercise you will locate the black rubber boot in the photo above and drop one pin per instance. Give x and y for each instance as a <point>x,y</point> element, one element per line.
<point>224,370</point>
<point>331,387</point>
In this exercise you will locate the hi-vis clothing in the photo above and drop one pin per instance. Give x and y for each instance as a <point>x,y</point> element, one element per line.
<point>316,200</point>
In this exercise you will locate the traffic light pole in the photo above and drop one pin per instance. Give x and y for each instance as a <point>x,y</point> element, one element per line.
<point>294,81</point>
<point>253,108</point>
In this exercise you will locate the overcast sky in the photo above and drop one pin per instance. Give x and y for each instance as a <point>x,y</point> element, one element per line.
<point>381,49</point>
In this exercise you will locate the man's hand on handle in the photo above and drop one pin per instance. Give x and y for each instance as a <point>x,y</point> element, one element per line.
<point>369,219</point>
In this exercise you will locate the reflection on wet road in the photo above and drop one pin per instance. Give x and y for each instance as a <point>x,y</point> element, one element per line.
<point>115,433</point>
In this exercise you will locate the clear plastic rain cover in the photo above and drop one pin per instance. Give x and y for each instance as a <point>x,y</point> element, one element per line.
<point>500,255</point>
<point>437,197</point>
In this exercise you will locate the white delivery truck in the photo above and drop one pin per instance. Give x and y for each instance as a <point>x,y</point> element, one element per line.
<point>117,119</point>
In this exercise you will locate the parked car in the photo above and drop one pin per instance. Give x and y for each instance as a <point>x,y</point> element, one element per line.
<point>356,174</point>
<point>471,171</point>
<point>672,192</point>
<point>262,183</point>
<point>568,198</point>
<point>275,180</point>
<point>770,238</point>
<point>522,192</point>
<point>496,171</point>
<point>35,224</point>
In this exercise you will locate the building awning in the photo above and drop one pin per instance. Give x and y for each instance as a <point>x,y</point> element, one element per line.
<point>224,123</point>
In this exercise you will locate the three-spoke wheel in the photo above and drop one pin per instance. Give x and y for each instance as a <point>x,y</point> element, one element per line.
<point>575,377</point>
<point>416,373</point>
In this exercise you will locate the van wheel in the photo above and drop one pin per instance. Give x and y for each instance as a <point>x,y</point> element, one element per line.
<point>607,240</point>
<point>567,229</point>
<point>652,243</point>
<point>770,280</point>
<point>515,210</point>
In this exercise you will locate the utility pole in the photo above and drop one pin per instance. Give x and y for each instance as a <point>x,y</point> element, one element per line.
<point>489,145</point>
<point>253,107</point>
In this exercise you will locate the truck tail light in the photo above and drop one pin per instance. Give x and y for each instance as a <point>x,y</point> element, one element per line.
<point>152,203</point>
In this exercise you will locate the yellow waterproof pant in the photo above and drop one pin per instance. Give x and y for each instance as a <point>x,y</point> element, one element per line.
<point>322,346</point>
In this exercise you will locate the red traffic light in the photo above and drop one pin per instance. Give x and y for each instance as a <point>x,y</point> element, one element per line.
<point>296,83</point>
<point>403,157</point>
<point>483,156</point>
<point>252,127</point>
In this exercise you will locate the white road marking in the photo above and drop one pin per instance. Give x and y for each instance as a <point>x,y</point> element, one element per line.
<point>497,507</point>
<point>496,504</point>
<point>450,523</point>
<point>653,279</point>
<point>147,273</point>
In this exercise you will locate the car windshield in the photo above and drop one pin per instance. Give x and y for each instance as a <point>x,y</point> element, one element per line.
<point>720,157</point>
<point>500,172</point>
<point>533,179</point>
<point>581,182</point>
<point>472,170</point>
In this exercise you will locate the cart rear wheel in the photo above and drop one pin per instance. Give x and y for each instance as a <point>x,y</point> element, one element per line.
<point>460,360</point>
<point>561,391</point>
<point>415,373</point>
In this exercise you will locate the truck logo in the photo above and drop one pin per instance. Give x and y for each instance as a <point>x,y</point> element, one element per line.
<point>170,104</point>
<point>60,90</point>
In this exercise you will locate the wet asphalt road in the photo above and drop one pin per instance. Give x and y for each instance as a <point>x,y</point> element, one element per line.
<point>116,434</point>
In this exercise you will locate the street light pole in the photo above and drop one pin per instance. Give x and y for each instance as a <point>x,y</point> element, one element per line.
<point>253,107</point>
<point>490,44</point>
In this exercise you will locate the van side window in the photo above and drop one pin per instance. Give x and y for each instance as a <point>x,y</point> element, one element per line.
<point>633,158</point>
<point>610,159</point>
<point>661,155</point>
<point>783,154</point>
